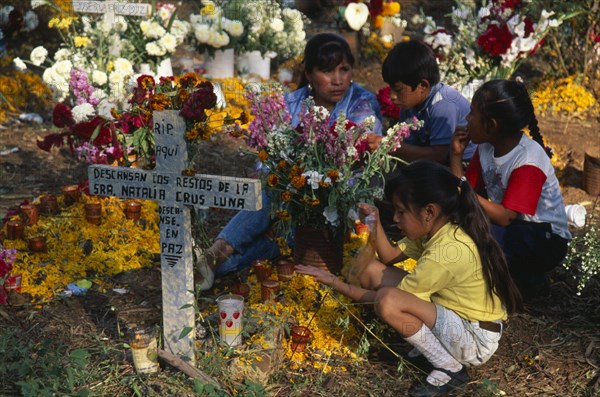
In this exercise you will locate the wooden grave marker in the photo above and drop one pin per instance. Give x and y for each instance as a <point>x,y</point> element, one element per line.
<point>174,193</point>
<point>111,9</point>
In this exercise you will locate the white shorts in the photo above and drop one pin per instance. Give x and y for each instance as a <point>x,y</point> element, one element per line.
<point>465,340</point>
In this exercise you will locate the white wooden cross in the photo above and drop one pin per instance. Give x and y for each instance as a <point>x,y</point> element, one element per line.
<point>174,192</point>
<point>110,8</point>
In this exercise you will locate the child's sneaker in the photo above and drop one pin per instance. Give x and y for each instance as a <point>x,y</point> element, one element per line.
<point>426,389</point>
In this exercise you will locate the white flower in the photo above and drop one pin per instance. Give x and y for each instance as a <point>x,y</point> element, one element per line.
<point>291,14</point>
<point>180,29</point>
<point>63,68</point>
<point>99,77</point>
<point>331,215</point>
<point>30,21</point>
<point>19,64</point>
<point>56,82</point>
<point>312,178</point>
<point>123,66</point>
<point>104,26</point>
<point>484,12</point>
<point>417,19</point>
<point>104,108</point>
<point>168,42</point>
<point>62,54</point>
<point>38,55</point>
<point>321,113</point>
<point>202,32</point>
<point>82,112</point>
<point>399,22</point>
<point>153,49</point>
<point>356,14</point>
<point>152,29</point>
<point>121,25</point>
<point>276,25</point>
<point>234,28</point>
<point>460,12</point>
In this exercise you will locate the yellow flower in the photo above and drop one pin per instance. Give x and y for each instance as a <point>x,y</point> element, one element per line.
<point>263,155</point>
<point>390,9</point>
<point>82,41</point>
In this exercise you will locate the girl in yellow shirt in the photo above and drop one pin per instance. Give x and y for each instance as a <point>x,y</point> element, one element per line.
<point>452,306</point>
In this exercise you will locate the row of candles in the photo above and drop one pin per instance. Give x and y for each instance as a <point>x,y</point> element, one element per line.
<point>29,214</point>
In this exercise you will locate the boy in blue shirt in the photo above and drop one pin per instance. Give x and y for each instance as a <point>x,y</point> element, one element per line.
<point>412,72</point>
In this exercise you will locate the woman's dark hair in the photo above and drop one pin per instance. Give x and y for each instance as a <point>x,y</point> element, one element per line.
<point>509,104</point>
<point>325,51</point>
<point>427,182</point>
<point>410,62</point>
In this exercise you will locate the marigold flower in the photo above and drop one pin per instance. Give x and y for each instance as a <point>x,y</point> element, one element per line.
<point>333,175</point>
<point>191,135</point>
<point>282,164</point>
<point>286,196</point>
<point>298,181</point>
<point>272,180</point>
<point>263,155</point>
<point>296,171</point>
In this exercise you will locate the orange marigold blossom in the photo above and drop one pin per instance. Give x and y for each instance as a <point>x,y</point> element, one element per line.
<point>263,155</point>
<point>282,164</point>
<point>298,181</point>
<point>286,196</point>
<point>273,180</point>
<point>296,171</point>
<point>333,175</point>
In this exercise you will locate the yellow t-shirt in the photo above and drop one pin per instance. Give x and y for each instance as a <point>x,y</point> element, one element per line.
<point>449,273</point>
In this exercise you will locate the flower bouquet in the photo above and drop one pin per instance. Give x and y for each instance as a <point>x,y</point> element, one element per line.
<point>486,42</point>
<point>316,173</point>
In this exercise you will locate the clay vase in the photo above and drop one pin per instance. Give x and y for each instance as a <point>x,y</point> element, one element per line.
<point>269,290</point>
<point>15,230</point>
<point>285,269</point>
<point>318,247</point>
<point>93,213</point>
<point>49,204</point>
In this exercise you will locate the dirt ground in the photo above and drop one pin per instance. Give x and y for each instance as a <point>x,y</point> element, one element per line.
<point>553,349</point>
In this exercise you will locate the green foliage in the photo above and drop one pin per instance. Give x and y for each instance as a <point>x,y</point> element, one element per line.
<point>41,369</point>
<point>583,256</point>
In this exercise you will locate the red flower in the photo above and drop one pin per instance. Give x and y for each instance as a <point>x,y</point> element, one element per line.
<point>3,297</point>
<point>62,116</point>
<point>50,141</point>
<point>504,4</point>
<point>495,40</point>
<point>388,108</point>
<point>375,7</point>
<point>202,98</point>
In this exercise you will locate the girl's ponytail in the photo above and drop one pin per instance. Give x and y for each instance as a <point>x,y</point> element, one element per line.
<point>473,220</point>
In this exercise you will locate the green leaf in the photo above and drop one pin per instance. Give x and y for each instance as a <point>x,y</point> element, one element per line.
<point>95,133</point>
<point>185,332</point>
<point>79,357</point>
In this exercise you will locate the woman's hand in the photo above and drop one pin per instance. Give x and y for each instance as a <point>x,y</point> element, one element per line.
<point>373,141</point>
<point>459,142</point>
<point>319,275</point>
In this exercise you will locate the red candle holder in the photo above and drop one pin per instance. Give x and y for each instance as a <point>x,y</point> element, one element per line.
<point>29,214</point>
<point>269,290</point>
<point>93,213</point>
<point>71,194</point>
<point>300,336</point>
<point>261,269</point>
<point>15,229</point>
<point>242,289</point>
<point>133,209</point>
<point>37,244</point>
<point>49,204</point>
<point>285,269</point>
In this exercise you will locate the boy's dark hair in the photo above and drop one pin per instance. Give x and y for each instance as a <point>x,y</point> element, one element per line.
<point>508,102</point>
<point>425,182</point>
<point>410,62</point>
<point>325,51</point>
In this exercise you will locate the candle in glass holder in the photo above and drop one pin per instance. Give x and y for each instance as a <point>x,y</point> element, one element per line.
<point>37,244</point>
<point>70,194</point>
<point>14,230</point>
<point>133,209</point>
<point>29,214</point>
<point>242,289</point>
<point>269,289</point>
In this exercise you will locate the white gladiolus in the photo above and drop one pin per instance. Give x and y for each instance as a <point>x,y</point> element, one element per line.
<point>99,77</point>
<point>38,55</point>
<point>19,64</point>
<point>83,112</point>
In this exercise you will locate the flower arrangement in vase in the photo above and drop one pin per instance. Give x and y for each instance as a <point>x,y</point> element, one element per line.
<point>486,41</point>
<point>7,257</point>
<point>318,172</point>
